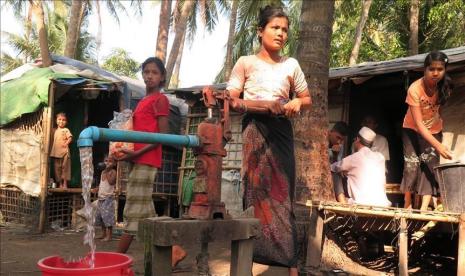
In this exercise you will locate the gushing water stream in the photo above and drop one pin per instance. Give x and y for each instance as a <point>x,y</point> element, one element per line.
<point>87,176</point>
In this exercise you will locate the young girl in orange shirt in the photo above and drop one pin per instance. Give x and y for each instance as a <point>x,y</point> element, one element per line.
<point>422,130</point>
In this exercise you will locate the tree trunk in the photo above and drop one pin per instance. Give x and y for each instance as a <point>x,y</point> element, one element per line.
<point>359,31</point>
<point>38,12</point>
<point>98,39</point>
<point>413,18</point>
<point>163,30</point>
<point>313,177</point>
<point>73,28</point>
<point>232,31</point>
<point>180,30</point>
<point>28,30</point>
<point>177,67</point>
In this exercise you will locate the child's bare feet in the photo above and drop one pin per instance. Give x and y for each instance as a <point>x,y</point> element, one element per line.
<point>106,239</point>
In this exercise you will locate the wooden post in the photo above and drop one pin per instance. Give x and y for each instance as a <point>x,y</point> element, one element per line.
<point>461,253</point>
<point>147,233</point>
<point>161,260</point>
<point>45,160</point>
<point>315,239</point>
<point>403,254</point>
<point>241,257</point>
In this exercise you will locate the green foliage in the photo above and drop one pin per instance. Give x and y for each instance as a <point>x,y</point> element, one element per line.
<point>386,32</point>
<point>27,48</point>
<point>120,62</point>
<point>9,63</point>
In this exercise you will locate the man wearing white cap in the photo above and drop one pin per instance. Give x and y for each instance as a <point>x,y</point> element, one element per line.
<point>365,171</point>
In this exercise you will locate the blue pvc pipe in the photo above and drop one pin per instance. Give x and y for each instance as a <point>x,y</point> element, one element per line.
<point>92,133</point>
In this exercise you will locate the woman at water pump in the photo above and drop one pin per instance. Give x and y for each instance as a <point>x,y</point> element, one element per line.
<point>260,86</point>
<point>422,130</point>
<point>150,115</point>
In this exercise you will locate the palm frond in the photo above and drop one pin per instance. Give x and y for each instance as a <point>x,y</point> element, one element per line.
<point>8,63</point>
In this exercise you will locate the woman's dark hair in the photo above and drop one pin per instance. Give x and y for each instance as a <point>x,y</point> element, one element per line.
<point>267,13</point>
<point>159,64</point>
<point>445,86</point>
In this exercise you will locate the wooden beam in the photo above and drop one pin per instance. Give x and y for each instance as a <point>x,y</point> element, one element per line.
<point>461,253</point>
<point>403,245</point>
<point>44,156</point>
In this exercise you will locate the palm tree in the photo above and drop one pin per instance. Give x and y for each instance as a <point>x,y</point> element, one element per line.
<point>313,179</point>
<point>180,29</point>
<point>75,17</point>
<point>81,8</point>
<point>186,14</point>
<point>174,82</point>
<point>38,12</point>
<point>28,47</point>
<point>232,29</point>
<point>163,29</point>
<point>413,27</point>
<point>359,31</point>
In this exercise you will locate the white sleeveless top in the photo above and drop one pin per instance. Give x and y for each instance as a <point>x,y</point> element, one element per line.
<point>105,189</point>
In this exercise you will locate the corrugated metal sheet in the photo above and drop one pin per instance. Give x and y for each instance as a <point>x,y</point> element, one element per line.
<point>456,55</point>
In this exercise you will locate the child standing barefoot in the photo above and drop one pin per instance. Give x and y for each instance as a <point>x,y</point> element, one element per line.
<point>60,151</point>
<point>106,207</point>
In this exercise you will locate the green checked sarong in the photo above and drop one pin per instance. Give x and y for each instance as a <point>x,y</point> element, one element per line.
<point>139,202</point>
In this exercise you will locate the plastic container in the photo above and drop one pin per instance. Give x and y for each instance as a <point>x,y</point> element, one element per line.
<point>451,179</point>
<point>106,264</point>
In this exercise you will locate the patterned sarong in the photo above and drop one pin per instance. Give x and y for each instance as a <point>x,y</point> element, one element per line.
<point>105,215</point>
<point>268,170</point>
<point>139,202</point>
<point>420,158</point>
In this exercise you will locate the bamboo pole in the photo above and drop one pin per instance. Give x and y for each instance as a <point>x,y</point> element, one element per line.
<point>403,252</point>
<point>45,160</point>
<point>386,212</point>
<point>461,253</point>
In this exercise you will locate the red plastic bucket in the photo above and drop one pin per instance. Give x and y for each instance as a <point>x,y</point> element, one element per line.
<point>106,264</point>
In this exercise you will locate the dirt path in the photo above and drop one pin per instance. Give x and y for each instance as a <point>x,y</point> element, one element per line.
<point>20,251</point>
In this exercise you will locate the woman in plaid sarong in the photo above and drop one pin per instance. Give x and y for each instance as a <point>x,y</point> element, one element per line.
<point>150,115</point>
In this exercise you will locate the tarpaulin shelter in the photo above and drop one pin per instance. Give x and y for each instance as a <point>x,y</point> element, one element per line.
<point>30,97</point>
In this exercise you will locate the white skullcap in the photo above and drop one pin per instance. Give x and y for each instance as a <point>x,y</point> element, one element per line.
<point>367,135</point>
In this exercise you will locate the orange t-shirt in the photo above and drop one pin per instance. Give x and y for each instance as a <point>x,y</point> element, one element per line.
<point>429,106</point>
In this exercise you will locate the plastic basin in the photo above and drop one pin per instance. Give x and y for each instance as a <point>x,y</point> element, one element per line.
<point>106,263</point>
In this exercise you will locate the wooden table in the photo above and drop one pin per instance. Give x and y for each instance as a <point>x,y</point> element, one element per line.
<point>159,234</point>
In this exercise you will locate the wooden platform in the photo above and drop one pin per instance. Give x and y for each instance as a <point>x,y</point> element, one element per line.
<point>319,209</point>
